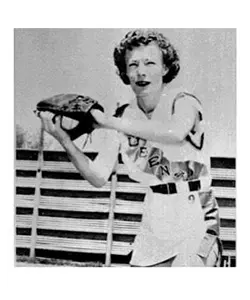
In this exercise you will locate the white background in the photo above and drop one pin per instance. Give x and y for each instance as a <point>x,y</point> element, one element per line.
<point>80,283</point>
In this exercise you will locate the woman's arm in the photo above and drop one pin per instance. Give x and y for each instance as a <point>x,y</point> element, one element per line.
<point>173,131</point>
<point>96,172</point>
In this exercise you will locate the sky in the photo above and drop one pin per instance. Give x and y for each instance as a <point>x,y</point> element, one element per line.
<point>55,61</point>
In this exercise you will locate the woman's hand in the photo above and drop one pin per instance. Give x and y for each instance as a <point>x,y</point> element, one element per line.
<point>53,127</point>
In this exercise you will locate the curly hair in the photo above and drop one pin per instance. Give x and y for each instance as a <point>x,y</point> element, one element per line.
<point>140,37</point>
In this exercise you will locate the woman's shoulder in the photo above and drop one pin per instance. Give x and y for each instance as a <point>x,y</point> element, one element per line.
<point>180,92</point>
<point>183,97</point>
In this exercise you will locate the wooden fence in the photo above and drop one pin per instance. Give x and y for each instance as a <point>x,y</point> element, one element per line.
<point>78,222</point>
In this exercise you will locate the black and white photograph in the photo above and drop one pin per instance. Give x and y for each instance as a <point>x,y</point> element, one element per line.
<point>125,147</point>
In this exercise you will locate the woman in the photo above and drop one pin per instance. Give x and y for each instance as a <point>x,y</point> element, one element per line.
<point>160,137</point>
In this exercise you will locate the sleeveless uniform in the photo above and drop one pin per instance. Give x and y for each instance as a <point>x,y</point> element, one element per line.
<point>178,181</point>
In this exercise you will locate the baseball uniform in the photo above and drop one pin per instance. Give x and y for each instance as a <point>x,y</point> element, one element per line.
<point>180,214</point>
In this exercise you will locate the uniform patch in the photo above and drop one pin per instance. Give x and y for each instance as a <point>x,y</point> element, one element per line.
<point>157,164</point>
<point>133,141</point>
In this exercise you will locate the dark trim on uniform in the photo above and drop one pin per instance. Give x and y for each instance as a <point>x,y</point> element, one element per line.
<point>199,147</point>
<point>181,95</point>
<point>194,185</point>
<point>170,188</point>
<point>120,110</point>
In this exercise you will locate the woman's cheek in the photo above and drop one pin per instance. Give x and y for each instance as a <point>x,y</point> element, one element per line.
<point>132,79</point>
<point>131,76</point>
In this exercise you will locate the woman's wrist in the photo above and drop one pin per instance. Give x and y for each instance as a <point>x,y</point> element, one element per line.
<point>111,122</point>
<point>104,120</point>
<point>66,142</point>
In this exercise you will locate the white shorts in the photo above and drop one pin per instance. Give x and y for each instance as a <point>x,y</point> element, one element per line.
<point>194,260</point>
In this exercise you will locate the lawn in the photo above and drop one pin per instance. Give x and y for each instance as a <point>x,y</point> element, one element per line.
<point>24,261</point>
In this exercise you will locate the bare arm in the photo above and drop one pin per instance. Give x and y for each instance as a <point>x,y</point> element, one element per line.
<point>173,131</point>
<point>96,172</point>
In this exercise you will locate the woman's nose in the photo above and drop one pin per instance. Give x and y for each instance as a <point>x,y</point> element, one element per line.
<point>141,70</point>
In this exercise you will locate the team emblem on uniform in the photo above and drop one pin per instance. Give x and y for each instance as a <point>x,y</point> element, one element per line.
<point>158,164</point>
<point>133,141</point>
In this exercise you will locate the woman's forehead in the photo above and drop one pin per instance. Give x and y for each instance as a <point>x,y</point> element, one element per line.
<point>151,51</point>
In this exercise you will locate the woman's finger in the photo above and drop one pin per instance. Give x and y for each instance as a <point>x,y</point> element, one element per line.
<point>47,115</point>
<point>46,118</point>
<point>57,121</point>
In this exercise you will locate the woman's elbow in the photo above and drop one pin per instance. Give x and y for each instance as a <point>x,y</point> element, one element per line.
<point>173,138</point>
<point>176,134</point>
<point>98,182</point>
<point>96,179</point>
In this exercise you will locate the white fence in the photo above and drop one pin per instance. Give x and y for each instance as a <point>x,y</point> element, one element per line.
<point>73,220</point>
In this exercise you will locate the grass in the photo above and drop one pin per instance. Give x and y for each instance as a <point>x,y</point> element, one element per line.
<point>26,261</point>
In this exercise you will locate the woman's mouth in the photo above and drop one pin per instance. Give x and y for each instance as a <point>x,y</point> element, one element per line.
<point>142,83</point>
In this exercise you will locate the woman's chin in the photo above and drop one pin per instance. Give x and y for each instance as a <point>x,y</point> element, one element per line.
<point>142,91</point>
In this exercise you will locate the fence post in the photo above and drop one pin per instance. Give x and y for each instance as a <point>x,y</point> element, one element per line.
<point>111,220</point>
<point>37,194</point>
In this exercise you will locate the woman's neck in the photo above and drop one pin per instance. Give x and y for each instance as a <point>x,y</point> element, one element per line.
<point>148,103</point>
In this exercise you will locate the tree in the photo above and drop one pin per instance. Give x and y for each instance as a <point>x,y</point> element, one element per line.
<point>20,136</point>
<point>30,140</point>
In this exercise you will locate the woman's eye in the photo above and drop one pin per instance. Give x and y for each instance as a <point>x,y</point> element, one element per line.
<point>150,63</point>
<point>132,65</point>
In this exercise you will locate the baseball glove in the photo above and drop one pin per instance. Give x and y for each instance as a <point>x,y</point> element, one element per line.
<point>74,110</point>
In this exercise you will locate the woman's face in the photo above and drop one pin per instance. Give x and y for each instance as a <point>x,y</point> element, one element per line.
<point>145,69</point>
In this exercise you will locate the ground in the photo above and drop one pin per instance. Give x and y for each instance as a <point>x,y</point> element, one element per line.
<point>24,261</point>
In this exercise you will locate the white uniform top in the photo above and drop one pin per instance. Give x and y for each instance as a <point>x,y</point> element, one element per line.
<point>171,223</point>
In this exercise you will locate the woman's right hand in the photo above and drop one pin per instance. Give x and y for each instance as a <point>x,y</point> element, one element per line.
<point>53,126</point>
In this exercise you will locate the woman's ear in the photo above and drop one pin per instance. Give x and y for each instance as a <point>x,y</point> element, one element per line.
<point>165,70</point>
<point>123,76</point>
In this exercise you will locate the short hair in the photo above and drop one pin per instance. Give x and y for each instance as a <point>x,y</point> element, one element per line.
<point>140,37</point>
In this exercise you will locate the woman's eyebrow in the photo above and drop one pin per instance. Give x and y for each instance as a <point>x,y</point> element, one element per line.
<point>132,61</point>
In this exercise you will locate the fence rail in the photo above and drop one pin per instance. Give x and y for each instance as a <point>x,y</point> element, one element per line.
<point>74,221</point>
